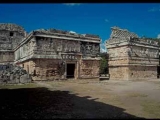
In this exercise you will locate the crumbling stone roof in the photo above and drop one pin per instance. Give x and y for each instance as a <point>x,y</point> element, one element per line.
<point>120,35</point>
<point>53,31</point>
<point>117,32</point>
<point>11,27</point>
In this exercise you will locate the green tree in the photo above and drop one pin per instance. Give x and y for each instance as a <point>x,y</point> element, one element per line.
<point>104,63</point>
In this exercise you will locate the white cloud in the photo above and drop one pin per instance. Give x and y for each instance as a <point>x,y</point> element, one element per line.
<point>103,47</point>
<point>158,36</point>
<point>106,20</point>
<point>102,50</point>
<point>71,4</point>
<point>72,32</point>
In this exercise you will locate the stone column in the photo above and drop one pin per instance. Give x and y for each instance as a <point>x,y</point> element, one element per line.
<point>65,73</point>
<point>79,60</point>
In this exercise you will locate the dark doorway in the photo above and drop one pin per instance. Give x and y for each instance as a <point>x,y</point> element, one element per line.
<point>158,71</point>
<point>70,70</point>
<point>11,34</point>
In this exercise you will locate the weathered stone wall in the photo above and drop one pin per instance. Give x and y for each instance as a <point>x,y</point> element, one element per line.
<point>43,69</point>
<point>144,61</point>
<point>143,51</point>
<point>118,52</point>
<point>122,61</point>
<point>89,68</point>
<point>133,72</point>
<point>10,36</point>
<point>96,68</point>
<point>11,33</point>
<point>118,72</point>
<point>53,45</point>
<point>26,50</point>
<point>6,57</point>
<point>28,66</point>
<point>142,72</point>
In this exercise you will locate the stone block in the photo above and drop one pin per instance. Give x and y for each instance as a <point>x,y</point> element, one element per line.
<point>25,78</point>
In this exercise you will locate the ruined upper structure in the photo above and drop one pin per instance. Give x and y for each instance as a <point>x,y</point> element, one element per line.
<point>122,33</point>
<point>10,36</point>
<point>131,57</point>
<point>64,33</point>
<point>119,35</point>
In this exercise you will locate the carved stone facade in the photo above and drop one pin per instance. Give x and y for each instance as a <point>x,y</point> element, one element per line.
<point>10,36</point>
<point>52,54</point>
<point>131,57</point>
<point>89,68</point>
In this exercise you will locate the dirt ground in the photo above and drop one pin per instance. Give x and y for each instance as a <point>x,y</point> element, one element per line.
<point>81,99</point>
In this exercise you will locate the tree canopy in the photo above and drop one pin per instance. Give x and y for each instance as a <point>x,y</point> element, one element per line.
<point>104,63</point>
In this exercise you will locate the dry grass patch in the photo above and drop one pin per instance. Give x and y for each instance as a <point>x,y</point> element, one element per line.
<point>55,84</point>
<point>16,86</point>
<point>111,99</point>
<point>152,108</point>
<point>136,95</point>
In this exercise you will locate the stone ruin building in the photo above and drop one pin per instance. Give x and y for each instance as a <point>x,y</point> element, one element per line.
<point>10,36</point>
<point>47,54</point>
<point>131,57</point>
<point>55,54</point>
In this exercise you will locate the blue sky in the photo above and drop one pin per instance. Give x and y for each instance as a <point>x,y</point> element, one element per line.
<point>141,18</point>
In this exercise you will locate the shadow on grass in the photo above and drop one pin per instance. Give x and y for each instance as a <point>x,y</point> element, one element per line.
<point>43,103</point>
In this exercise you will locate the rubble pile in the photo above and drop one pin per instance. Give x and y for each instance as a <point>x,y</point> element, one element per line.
<point>13,74</point>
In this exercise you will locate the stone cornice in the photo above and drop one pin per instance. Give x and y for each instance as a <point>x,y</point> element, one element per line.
<point>127,65</point>
<point>133,58</point>
<point>6,51</point>
<point>69,38</point>
<point>120,43</point>
<point>91,58</point>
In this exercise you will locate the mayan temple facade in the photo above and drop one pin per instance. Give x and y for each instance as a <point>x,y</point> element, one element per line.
<point>55,54</point>
<point>131,57</point>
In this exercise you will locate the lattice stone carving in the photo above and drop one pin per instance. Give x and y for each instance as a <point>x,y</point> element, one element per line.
<point>117,32</point>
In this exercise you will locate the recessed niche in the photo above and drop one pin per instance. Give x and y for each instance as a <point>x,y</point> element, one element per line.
<point>11,34</point>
